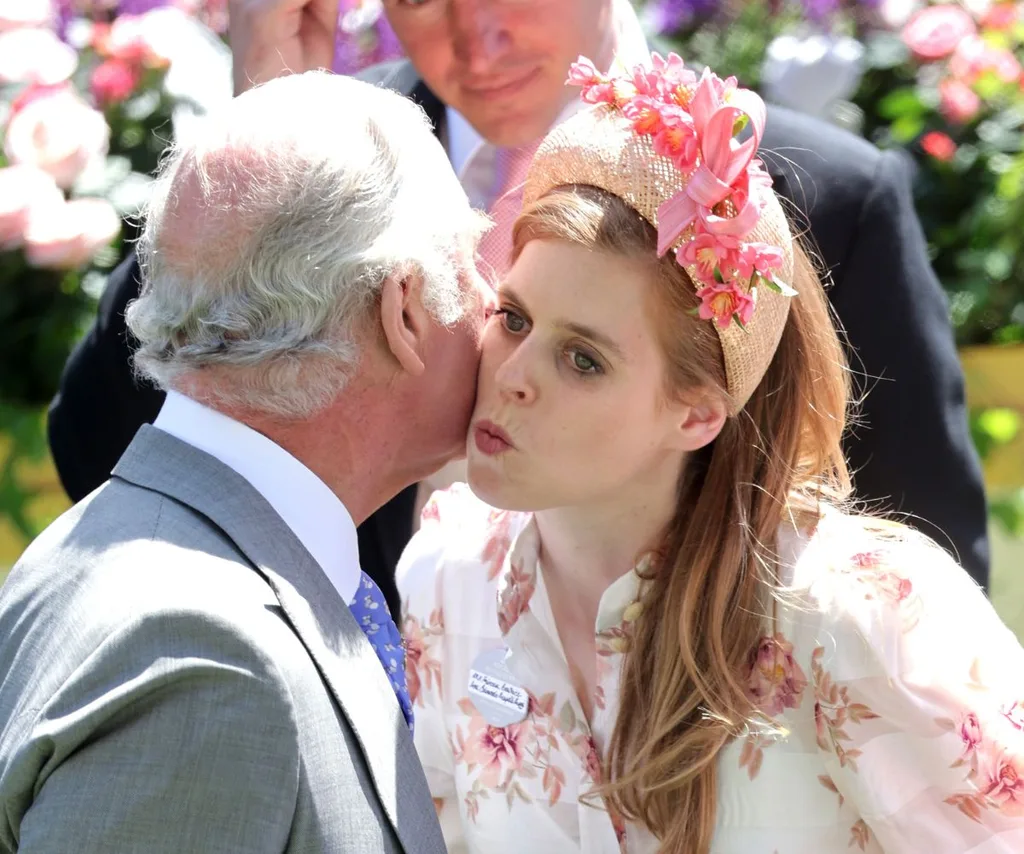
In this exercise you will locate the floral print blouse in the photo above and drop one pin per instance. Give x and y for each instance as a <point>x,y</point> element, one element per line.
<point>898,694</point>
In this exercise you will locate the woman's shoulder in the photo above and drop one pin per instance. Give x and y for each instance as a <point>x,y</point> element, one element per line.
<point>877,580</point>
<point>460,540</point>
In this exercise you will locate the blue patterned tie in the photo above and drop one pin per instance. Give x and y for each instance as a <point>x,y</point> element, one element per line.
<point>374,618</point>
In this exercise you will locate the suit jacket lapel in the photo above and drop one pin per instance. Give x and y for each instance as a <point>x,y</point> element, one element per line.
<point>344,657</point>
<point>401,77</point>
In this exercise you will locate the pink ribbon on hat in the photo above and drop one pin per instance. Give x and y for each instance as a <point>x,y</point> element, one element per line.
<point>725,166</point>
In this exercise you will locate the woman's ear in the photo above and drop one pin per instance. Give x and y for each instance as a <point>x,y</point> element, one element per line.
<point>699,420</point>
<point>404,321</point>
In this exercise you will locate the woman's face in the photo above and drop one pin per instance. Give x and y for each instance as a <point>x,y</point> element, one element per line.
<point>571,403</point>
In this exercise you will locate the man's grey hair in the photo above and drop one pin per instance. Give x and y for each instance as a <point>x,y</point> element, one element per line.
<point>269,234</point>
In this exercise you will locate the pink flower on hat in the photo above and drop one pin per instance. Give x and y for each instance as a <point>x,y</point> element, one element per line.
<point>700,254</point>
<point>648,83</point>
<point>710,96</point>
<point>759,258</point>
<point>668,79</point>
<point>677,138</point>
<point>597,88</point>
<point>645,114</point>
<point>724,301</point>
<point>696,125</point>
<point>583,72</point>
<point>724,173</point>
<point>708,254</point>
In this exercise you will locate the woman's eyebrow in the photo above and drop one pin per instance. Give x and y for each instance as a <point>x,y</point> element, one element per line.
<point>594,335</point>
<point>571,326</point>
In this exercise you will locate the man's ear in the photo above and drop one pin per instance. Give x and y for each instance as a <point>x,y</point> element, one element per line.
<point>699,420</point>
<point>404,321</point>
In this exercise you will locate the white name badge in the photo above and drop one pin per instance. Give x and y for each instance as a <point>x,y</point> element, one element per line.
<point>493,691</point>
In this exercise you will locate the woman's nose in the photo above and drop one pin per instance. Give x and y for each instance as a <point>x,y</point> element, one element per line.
<point>514,379</point>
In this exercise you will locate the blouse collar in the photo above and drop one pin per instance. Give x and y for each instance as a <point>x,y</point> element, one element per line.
<point>521,589</point>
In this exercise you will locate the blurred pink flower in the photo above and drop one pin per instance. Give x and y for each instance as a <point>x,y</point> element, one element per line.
<point>974,56</point>
<point>67,236</point>
<point>1001,16</point>
<point>957,101</point>
<point>59,133</point>
<point>35,56</point>
<point>26,13</point>
<point>934,32</point>
<point>1005,65</point>
<point>24,191</point>
<point>113,80</point>
<point>137,39</point>
<point>896,13</point>
<point>213,13</point>
<point>938,145</point>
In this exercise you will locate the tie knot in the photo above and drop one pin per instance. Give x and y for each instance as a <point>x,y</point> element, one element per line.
<point>511,165</point>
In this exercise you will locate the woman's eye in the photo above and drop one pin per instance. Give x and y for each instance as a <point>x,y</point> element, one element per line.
<point>511,321</point>
<point>584,363</point>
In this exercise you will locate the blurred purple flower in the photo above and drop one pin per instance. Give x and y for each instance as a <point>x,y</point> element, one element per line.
<point>364,37</point>
<point>139,7</point>
<point>819,11</point>
<point>667,16</point>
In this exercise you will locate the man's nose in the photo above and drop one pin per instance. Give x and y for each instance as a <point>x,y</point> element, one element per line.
<point>480,36</point>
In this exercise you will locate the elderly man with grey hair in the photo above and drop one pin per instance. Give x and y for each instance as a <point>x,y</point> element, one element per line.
<point>191,658</point>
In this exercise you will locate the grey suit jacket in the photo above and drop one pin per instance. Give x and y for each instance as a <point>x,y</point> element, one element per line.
<point>180,676</point>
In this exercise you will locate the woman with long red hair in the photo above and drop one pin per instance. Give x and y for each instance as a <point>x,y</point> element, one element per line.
<point>653,622</point>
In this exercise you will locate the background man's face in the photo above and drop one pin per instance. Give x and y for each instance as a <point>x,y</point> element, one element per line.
<point>502,63</point>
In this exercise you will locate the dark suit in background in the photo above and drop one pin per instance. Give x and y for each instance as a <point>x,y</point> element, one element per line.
<point>911,453</point>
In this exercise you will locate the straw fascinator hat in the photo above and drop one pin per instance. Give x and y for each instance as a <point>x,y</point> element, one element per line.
<point>669,144</point>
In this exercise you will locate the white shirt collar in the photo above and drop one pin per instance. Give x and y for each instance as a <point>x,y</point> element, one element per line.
<point>463,140</point>
<point>313,512</point>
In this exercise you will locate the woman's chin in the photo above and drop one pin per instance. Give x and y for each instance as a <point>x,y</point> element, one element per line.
<point>489,483</point>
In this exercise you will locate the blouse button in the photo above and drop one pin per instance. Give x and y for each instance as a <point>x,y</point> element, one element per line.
<point>632,612</point>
